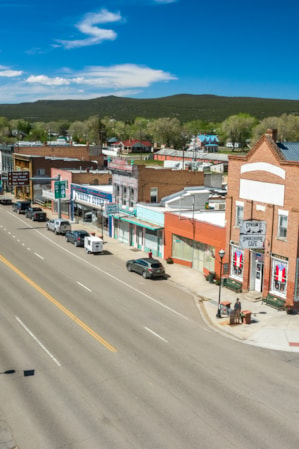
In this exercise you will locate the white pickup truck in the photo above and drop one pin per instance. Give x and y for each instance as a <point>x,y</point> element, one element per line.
<point>59,225</point>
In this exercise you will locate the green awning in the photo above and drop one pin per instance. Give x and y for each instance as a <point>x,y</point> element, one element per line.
<point>141,223</point>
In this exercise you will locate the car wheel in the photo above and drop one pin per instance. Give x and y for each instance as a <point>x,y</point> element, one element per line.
<point>129,267</point>
<point>144,275</point>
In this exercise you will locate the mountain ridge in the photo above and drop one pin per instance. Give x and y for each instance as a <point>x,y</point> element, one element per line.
<point>185,107</point>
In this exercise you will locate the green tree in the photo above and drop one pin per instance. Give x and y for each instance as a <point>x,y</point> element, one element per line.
<point>78,131</point>
<point>96,131</point>
<point>39,132</point>
<point>238,128</point>
<point>167,131</point>
<point>287,126</point>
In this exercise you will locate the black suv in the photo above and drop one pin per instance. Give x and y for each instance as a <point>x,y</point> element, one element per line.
<point>76,237</point>
<point>20,207</point>
<point>147,267</point>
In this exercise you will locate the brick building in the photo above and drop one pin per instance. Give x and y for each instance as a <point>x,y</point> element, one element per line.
<point>195,239</point>
<point>262,198</point>
<point>40,167</point>
<point>82,153</point>
<point>141,183</point>
<point>134,184</point>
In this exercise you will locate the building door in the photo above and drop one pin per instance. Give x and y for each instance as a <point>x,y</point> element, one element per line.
<point>139,238</point>
<point>131,235</point>
<point>257,271</point>
<point>259,276</point>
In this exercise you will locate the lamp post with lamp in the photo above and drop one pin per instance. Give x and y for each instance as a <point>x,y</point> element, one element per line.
<point>221,255</point>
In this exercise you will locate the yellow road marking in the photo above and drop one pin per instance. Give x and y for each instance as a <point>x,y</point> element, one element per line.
<point>58,305</point>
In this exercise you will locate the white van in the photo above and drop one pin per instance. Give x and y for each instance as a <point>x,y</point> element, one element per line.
<point>93,244</point>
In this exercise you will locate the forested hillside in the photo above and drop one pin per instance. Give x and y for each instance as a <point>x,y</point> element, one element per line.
<point>184,107</point>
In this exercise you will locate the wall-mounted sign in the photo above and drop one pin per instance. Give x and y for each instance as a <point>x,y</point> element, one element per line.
<point>111,208</point>
<point>252,234</point>
<point>253,227</point>
<point>18,178</point>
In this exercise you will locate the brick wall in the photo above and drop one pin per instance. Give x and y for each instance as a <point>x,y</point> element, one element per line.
<point>167,181</point>
<point>266,151</point>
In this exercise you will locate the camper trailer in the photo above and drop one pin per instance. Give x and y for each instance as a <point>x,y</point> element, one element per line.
<point>93,245</point>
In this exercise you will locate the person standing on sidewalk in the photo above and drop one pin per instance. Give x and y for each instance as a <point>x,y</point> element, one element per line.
<point>150,254</point>
<point>237,309</point>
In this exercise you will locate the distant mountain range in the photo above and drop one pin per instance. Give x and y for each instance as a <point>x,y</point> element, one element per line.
<point>184,107</point>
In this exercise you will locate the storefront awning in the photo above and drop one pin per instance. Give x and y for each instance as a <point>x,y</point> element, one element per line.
<point>90,205</point>
<point>137,222</point>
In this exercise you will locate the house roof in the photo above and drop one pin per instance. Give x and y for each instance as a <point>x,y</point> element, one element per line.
<point>193,155</point>
<point>290,150</point>
<point>132,142</point>
<point>208,138</point>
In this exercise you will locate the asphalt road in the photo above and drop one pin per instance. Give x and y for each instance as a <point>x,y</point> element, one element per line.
<point>122,362</point>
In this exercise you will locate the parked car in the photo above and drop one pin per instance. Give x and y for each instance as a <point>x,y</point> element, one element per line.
<point>76,237</point>
<point>147,267</point>
<point>20,206</point>
<point>36,214</point>
<point>5,201</point>
<point>59,225</point>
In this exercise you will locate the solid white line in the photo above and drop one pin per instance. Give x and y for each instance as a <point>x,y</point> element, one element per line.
<point>84,286</point>
<point>156,335</point>
<point>37,340</point>
<point>37,255</point>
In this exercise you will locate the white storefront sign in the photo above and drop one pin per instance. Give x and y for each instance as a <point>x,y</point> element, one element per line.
<point>252,234</point>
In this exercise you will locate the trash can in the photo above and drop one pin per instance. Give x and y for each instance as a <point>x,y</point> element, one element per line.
<point>211,277</point>
<point>232,317</point>
<point>246,314</point>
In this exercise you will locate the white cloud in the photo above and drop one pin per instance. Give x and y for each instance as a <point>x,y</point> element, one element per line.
<point>96,34</point>
<point>91,82</point>
<point>46,81</point>
<point>125,76</point>
<point>122,76</point>
<point>7,73</point>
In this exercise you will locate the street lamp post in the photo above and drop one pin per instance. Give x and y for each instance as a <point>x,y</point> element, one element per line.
<point>221,255</point>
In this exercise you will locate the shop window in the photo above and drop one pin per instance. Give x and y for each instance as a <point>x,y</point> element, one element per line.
<point>282,225</point>
<point>237,260</point>
<point>279,277</point>
<point>239,214</point>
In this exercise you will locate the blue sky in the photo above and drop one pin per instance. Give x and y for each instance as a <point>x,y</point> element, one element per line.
<point>71,49</point>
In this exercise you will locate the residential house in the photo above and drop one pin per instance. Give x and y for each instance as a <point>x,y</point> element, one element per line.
<point>134,146</point>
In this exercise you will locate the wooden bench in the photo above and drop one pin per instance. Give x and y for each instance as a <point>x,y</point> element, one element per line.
<point>232,284</point>
<point>274,301</point>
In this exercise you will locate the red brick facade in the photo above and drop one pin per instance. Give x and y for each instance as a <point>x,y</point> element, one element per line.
<point>208,237</point>
<point>263,185</point>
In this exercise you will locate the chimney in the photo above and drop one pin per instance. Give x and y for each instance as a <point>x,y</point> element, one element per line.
<point>272,133</point>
